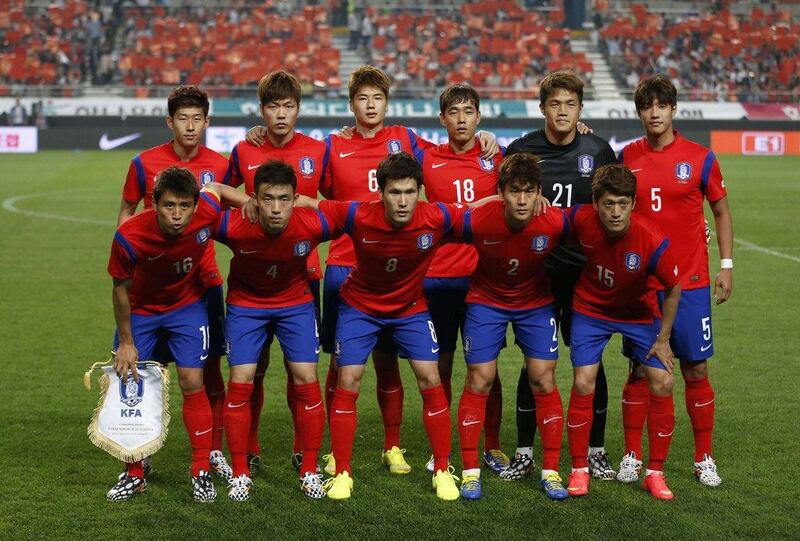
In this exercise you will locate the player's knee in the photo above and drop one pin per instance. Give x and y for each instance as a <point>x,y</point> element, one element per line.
<point>348,381</point>
<point>542,378</point>
<point>479,381</point>
<point>303,376</point>
<point>190,380</point>
<point>583,383</point>
<point>660,382</point>
<point>429,379</point>
<point>697,370</point>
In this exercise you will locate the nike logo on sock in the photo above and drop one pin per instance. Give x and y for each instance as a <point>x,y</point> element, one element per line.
<point>468,423</point>
<point>524,409</point>
<point>631,403</point>
<point>432,413</point>
<point>698,405</point>
<point>343,411</point>
<point>598,412</point>
<point>231,405</point>
<point>551,419</point>
<point>577,426</point>
<point>389,391</point>
<point>198,433</point>
<point>660,435</point>
<point>314,406</point>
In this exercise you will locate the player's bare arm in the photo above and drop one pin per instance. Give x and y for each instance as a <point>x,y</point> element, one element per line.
<point>256,135</point>
<point>126,210</point>
<point>127,355</point>
<point>661,348</point>
<point>226,194</point>
<point>723,221</point>
<point>306,202</point>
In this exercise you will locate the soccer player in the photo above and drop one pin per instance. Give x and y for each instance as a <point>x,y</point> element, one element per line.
<point>188,119</point>
<point>673,176</point>
<point>623,250</point>
<point>567,160</point>
<point>456,172</point>
<point>279,97</point>
<point>156,258</point>
<point>510,286</point>
<point>393,241</point>
<point>269,295</point>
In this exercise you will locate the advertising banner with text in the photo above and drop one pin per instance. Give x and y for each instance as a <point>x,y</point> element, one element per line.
<point>756,143</point>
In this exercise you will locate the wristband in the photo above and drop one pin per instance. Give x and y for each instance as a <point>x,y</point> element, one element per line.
<point>726,263</point>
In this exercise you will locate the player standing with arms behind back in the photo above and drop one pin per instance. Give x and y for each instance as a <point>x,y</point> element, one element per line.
<point>567,160</point>
<point>674,175</point>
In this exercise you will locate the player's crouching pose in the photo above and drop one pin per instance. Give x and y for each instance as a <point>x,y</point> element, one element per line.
<point>155,261</point>
<point>394,240</point>
<point>510,285</point>
<point>269,294</point>
<point>613,296</point>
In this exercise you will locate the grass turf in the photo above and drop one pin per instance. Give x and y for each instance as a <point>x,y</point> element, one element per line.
<point>57,223</point>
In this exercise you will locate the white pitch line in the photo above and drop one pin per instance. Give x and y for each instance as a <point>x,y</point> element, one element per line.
<point>10,205</point>
<point>757,248</point>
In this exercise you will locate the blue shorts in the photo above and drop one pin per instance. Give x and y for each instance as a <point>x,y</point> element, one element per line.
<point>334,278</point>
<point>249,329</point>
<point>447,305</point>
<point>590,336</point>
<point>184,332</point>
<point>485,332</point>
<point>357,334</point>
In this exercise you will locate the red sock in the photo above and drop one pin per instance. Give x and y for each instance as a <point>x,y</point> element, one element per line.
<point>256,404</point>
<point>291,401</point>
<point>310,415</point>
<point>550,421</point>
<point>635,404</point>
<point>343,421</point>
<point>436,418</point>
<point>215,390</point>
<point>579,424</point>
<point>330,387</point>
<point>494,416</point>
<point>237,425</point>
<point>135,469</point>
<point>197,418</point>
<point>700,405</point>
<point>660,425</point>
<point>447,391</point>
<point>471,412</point>
<point>390,399</point>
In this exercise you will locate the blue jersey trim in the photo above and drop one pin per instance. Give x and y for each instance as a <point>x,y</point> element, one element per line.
<point>327,156</point>
<point>653,263</point>
<point>222,230</point>
<point>448,221</point>
<point>228,178</point>
<point>503,150</point>
<point>351,217</point>
<point>707,165</point>
<point>139,166</point>
<point>574,211</point>
<point>419,155</point>
<point>210,200</point>
<point>326,231</point>
<point>468,227</point>
<point>234,161</point>
<point>414,146</point>
<point>126,246</point>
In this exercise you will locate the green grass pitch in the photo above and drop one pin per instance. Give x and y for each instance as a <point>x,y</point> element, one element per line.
<point>56,226</point>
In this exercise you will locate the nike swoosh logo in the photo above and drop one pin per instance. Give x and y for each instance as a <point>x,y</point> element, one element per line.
<point>203,357</point>
<point>344,411</point>
<point>490,242</point>
<point>365,241</point>
<point>314,406</point>
<point>631,403</point>
<point>317,350</point>
<point>705,348</point>
<point>331,389</point>
<point>698,405</point>
<point>469,423</point>
<point>553,349</point>
<point>251,167</point>
<point>245,252</point>
<point>156,257</point>
<point>598,412</point>
<point>198,433</point>
<point>434,350</point>
<point>577,426</point>
<point>390,391</point>
<point>432,413</point>
<point>438,165</point>
<point>586,245</point>
<point>237,405</point>
<point>551,419</point>
<point>345,154</point>
<point>110,144</point>
<point>524,409</point>
<point>660,435</point>
<point>636,170</point>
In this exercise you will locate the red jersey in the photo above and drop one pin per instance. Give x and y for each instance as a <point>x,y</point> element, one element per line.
<point>614,282</point>
<point>351,173</point>
<point>269,271</point>
<point>671,185</point>
<point>163,269</point>
<point>510,272</point>
<point>386,280</point>
<point>304,154</point>
<point>207,166</point>
<point>456,178</point>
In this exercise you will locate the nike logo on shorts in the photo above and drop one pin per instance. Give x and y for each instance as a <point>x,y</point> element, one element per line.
<point>434,350</point>
<point>705,348</point>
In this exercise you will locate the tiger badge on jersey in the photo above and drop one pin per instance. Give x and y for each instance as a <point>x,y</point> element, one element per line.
<point>632,261</point>
<point>203,235</point>
<point>302,248</point>
<point>206,177</point>
<point>425,241</point>
<point>306,166</point>
<point>585,164</point>
<point>131,393</point>
<point>486,165</point>
<point>683,172</point>
<point>539,243</point>
<point>394,146</point>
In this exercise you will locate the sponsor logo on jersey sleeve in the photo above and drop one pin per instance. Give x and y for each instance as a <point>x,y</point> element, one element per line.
<point>206,177</point>
<point>540,243</point>
<point>302,248</point>
<point>633,261</point>
<point>683,171</point>
<point>307,165</point>
<point>425,241</point>
<point>203,235</point>
<point>585,164</point>
<point>394,146</point>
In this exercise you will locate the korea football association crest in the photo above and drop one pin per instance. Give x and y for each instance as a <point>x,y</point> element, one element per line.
<point>131,392</point>
<point>486,165</point>
<point>203,235</point>
<point>425,241</point>
<point>306,166</point>
<point>394,146</point>
<point>683,171</point>
<point>633,261</point>
<point>539,243</point>
<point>206,177</point>
<point>585,164</point>
<point>302,248</point>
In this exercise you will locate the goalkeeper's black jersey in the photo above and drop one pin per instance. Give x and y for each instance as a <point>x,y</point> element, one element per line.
<point>566,176</point>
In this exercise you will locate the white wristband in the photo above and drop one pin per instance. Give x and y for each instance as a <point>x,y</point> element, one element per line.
<point>726,263</point>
